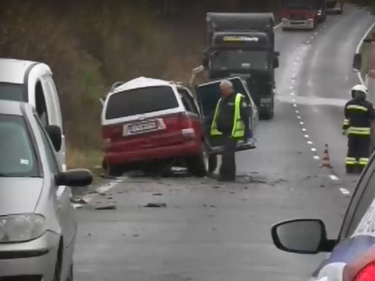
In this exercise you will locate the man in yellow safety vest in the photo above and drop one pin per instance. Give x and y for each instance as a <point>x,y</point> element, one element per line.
<point>231,122</point>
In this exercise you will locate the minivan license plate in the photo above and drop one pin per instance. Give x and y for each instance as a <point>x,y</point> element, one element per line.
<point>142,127</point>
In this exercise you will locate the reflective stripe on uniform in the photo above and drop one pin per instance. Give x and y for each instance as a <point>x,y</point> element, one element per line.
<point>214,131</point>
<point>363,161</point>
<point>359,131</point>
<point>350,161</point>
<point>346,122</point>
<point>238,125</point>
<point>359,107</point>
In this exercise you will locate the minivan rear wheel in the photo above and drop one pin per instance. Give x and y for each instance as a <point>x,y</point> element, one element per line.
<point>201,165</point>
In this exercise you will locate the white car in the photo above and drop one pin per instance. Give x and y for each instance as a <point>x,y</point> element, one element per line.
<point>37,220</point>
<point>32,82</point>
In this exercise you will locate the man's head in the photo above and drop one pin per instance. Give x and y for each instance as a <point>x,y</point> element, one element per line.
<point>359,92</point>
<point>226,88</point>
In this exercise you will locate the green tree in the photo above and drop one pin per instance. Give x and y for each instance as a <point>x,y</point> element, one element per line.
<point>370,4</point>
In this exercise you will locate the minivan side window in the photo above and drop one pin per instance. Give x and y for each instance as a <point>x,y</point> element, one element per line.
<point>363,204</point>
<point>40,104</point>
<point>50,151</point>
<point>187,101</point>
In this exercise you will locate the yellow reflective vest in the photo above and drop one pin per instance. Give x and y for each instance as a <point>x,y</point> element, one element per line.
<point>238,125</point>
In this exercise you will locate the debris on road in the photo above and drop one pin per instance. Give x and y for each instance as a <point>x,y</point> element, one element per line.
<point>106,207</point>
<point>155,205</point>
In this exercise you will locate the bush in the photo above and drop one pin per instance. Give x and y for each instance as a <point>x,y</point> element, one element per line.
<point>91,44</point>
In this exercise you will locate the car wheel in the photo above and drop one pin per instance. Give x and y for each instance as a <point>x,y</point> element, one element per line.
<point>198,165</point>
<point>114,170</point>
<point>71,276</point>
<point>212,163</point>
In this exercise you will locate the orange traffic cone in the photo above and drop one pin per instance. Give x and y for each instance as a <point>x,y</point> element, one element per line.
<point>325,159</point>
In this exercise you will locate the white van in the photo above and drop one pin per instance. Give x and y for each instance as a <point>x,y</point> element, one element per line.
<point>32,82</point>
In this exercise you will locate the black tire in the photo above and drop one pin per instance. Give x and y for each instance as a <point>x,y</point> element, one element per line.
<point>212,163</point>
<point>269,113</point>
<point>198,165</point>
<point>114,170</point>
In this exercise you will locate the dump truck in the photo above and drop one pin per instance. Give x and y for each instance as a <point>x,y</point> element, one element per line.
<point>243,45</point>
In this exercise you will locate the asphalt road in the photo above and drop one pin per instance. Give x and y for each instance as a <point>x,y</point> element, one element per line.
<point>213,232</point>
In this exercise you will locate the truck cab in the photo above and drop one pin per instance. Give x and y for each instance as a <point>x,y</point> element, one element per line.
<point>302,14</point>
<point>32,82</point>
<point>243,44</point>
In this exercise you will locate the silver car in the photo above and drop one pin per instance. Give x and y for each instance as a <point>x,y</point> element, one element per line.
<point>37,221</point>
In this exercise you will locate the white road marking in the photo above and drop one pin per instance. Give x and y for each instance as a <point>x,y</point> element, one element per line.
<point>304,129</point>
<point>301,123</point>
<point>277,26</point>
<point>291,87</point>
<point>294,105</point>
<point>316,157</point>
<point>313,149</point>
<point>309,142</point>
<point>298,117</point>
<point>314,101</point>
<point>344,191</point>
<point>306,136</point>
<point>308,42</point>
<point>297,111</point>
<point>312,37</point>
<point>333,177</point>
<point>103,189</point>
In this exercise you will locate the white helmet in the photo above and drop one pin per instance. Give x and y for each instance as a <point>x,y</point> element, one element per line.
<point>359,88</point>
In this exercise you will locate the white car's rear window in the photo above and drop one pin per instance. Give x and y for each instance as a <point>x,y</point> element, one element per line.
<point>140,101</point>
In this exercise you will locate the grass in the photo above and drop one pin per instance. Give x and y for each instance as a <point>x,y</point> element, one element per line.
<point>88,159</point>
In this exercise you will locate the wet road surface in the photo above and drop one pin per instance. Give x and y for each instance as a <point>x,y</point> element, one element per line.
<point>219,232</point>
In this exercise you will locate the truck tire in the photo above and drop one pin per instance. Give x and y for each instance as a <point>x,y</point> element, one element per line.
<point>269,113</point>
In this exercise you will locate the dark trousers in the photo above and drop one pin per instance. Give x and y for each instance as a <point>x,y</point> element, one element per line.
<point>228,160</point>
<point>358,153</point>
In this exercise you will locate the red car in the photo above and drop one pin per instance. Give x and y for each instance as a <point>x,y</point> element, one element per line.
<point>150,121</point>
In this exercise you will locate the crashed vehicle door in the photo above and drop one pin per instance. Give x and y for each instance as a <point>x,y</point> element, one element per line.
<point>208,95</point>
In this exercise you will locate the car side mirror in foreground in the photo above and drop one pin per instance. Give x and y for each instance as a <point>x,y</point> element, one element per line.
<point>357,62</point>
<point>275,62</point>
<point>54,133</point>
<point>302,236</point>
<point>74,178</point>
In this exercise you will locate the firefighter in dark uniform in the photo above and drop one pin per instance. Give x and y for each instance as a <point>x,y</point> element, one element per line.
<point>231,122</point>
<point>359,116</point>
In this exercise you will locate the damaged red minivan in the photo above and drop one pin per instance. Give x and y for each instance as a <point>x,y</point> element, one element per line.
<point>149,120</point>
